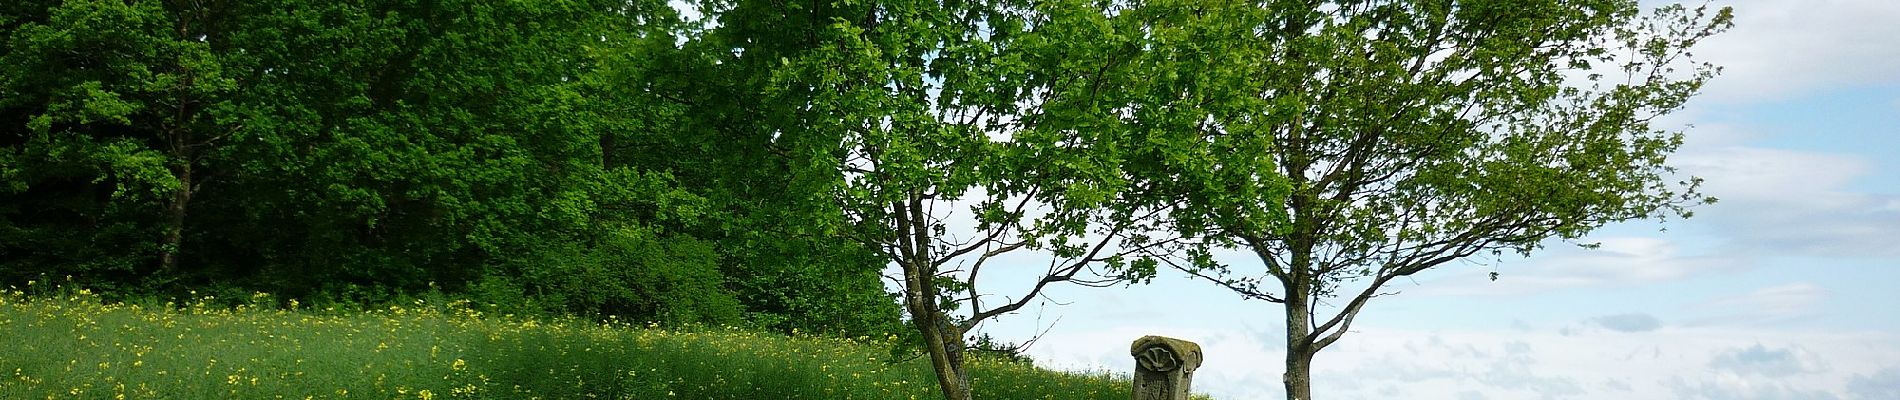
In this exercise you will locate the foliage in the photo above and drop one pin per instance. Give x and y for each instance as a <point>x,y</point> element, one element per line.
<point>365,151</point>
<point>677,281</point>
<point>667,99</point>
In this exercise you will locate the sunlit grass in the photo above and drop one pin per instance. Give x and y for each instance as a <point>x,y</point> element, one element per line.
<point>75,346</point>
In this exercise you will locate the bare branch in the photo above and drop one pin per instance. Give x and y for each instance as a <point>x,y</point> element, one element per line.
<point>1063,274</point>
<point>994,233</point>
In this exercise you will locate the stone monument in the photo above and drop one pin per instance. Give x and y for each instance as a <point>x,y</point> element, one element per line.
<point>1164,367</point>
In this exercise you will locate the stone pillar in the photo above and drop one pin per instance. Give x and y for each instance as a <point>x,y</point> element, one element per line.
<point>1164,367</point>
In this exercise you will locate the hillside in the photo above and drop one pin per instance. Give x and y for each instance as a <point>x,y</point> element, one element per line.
<point>78,346</point>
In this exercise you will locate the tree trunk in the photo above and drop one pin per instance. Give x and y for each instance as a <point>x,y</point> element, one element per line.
<point>1299,376</point>
<point>944,342</point>
<point>1299,345</point>
<point>170,244</point>
<point>608,154</point>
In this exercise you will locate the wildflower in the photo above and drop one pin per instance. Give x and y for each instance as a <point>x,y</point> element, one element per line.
<point>468,389</point>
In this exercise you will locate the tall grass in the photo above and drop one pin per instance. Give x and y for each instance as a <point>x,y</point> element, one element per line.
<point>75,346</point>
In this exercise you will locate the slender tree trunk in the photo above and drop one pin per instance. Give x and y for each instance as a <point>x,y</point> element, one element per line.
<point>177,137</point>
<point>944,342</point>
<point>170,245</point>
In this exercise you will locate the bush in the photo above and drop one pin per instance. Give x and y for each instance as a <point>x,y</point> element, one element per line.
<point>634,273</point>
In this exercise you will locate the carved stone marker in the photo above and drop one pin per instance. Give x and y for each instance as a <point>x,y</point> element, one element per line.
<point>1164,367</point>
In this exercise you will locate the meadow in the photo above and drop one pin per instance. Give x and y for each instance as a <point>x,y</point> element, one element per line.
<point>74,345</point>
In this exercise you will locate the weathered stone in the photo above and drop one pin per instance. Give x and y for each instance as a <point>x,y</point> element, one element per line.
<point>1164,367</point>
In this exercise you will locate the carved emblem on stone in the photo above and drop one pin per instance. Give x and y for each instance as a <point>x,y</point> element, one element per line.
<point>1157,358</point>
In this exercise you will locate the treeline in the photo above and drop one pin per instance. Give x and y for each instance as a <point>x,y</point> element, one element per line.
<point>588,157</point>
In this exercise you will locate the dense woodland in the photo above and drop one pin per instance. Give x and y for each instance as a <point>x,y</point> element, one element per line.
<point>561,156</point>
<point>775,163</point>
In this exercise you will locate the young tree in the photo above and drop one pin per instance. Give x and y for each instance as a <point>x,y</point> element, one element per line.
<point>924,121</point>
<point>1347,144</point>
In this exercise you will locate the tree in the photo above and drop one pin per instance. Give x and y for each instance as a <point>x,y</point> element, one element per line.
<point>690,108</point>
<point>1348,144</point>
<point>921,120</point>
<point>113,111</point>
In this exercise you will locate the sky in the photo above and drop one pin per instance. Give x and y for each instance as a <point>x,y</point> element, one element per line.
<point>1782,290</point>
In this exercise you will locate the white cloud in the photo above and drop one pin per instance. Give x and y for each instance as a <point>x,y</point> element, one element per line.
<point>1771,305</point>
<point>1732,387</point>
<point>1782,202</point>
<point>1620,261</point>
<point>1775,177</point>
<point>1717,363</point>
<point>1542,363</point>
<point>1761,361</point>
<point>1783,48</point>
<point>1883,384</point>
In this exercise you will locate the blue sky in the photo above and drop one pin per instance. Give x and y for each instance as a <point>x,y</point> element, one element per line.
<point>1783,290</point>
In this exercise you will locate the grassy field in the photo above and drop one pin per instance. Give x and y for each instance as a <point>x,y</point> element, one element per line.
<point>75,346</point>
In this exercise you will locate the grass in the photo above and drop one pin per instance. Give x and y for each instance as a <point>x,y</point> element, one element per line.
<point>76,346</point>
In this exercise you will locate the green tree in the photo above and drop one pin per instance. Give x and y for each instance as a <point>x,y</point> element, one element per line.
<point>113,112</point>
<point>678,99</point>
<point>951,133</point>
<point>1348,144</point>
